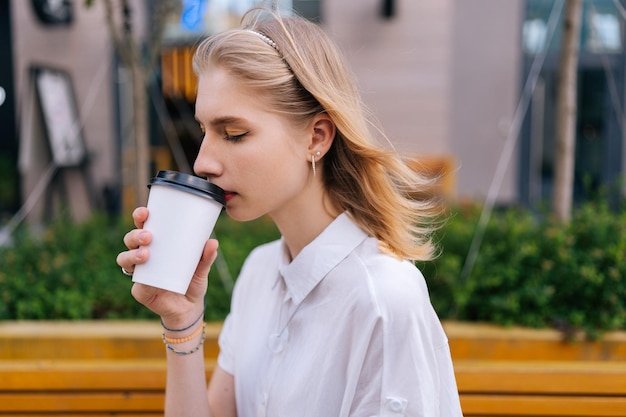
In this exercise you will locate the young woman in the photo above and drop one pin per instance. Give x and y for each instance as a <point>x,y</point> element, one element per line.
<point>334,319</point>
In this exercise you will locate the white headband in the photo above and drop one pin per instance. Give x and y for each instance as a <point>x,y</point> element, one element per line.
<point>265,39</point>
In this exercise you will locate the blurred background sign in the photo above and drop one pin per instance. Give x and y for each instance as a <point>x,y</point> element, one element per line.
<point>60,116</point>
<point>199,18</point>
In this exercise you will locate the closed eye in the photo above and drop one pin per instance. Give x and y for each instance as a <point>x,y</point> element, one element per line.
<point>234,138</point>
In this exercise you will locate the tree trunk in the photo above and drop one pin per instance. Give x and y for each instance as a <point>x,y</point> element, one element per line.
<point>566,113</point>
<point>136,154</point>
<point>142,135</point>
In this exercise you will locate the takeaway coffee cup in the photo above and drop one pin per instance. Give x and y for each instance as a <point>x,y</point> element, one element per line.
<point>183,210</point>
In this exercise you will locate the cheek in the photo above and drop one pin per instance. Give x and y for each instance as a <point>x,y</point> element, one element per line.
<point>271,159</point>
<point>288,163</point>
<point>278,174</point>
<point>276,160</point>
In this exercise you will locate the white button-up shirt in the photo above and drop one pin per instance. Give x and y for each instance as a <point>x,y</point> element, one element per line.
<point>342,330</point>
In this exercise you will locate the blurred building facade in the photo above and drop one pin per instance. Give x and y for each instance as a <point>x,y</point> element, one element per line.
<point>444,77</point>
<point>68,38</point>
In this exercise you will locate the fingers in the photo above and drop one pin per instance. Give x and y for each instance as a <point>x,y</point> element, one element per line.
<point>199,282</point>
<point>135,241</point>
<point>136,238</point>
<point>140,215</point>
<point>208,257</point>
<point>130,258</point>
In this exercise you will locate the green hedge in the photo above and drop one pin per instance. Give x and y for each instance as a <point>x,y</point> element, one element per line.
<point>534,271</point>
<point>530,270</point>
<point>69,271</point>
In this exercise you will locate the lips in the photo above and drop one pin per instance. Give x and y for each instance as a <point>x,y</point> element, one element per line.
<point>228,195</point>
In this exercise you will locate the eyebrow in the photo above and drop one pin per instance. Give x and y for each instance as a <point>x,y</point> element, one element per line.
<point>223,120</point>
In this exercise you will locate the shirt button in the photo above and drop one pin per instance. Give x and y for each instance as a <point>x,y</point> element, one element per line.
<point>396,405</point>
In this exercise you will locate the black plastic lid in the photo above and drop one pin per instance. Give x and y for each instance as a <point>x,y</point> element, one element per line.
<point>189,183</point>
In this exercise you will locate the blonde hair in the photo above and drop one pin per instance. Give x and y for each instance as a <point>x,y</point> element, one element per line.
<point>302,73</point>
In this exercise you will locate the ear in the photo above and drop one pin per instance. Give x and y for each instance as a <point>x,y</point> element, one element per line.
<point>322,134</point>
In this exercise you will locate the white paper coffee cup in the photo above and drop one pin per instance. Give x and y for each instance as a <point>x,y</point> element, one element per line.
<point>183,210</point>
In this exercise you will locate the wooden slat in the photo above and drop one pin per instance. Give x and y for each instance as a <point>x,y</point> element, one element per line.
<point>541,405</point>
<point>545,377</point>
<point>90,340</point>
<point>82,375</point>
<point>82,402</point>
<point>118,375</point>
<point>477,341</point>
<point>89,414</point>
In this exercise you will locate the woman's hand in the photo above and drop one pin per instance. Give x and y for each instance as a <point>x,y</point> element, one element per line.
<point>134,240</point>
<point>176,310</point>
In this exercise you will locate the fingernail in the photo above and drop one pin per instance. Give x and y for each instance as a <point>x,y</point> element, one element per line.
<point>143,236</point>
<point>139,254</point>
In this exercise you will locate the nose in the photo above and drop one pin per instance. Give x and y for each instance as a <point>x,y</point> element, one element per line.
<point>207,163</point>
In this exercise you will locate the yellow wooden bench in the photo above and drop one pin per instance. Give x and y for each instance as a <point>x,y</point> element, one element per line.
<point>90,369</point>
<point>81,387</point>
<point>526,372</point>
<point>541,388</point>
<point>101,369</point>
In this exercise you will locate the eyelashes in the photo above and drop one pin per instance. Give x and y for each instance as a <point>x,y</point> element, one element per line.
<point>226,135</point>
<point>234,138</point>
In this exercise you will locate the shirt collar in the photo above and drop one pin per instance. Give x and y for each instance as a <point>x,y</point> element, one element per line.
<point>320,256</point>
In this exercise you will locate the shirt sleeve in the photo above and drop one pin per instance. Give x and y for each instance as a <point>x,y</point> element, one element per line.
<point>227,339</point>
<point>407,369</point>
<point>225,358</point>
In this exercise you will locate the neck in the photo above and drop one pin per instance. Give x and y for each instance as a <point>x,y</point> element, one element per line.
<point>304,219</point>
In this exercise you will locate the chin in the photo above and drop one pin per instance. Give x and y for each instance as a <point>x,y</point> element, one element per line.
<point>242,215</point>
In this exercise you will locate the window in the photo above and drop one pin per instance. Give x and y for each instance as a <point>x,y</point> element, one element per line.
<point>311,9</point>
<point>600,87</point>
<point>601,30</point>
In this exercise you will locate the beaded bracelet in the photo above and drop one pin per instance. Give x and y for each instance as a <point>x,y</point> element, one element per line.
<point>177,341</point>
<point>188,327</point>
<point>185,352</point>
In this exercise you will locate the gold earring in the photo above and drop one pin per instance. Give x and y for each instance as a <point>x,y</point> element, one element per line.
<point>318,153</point>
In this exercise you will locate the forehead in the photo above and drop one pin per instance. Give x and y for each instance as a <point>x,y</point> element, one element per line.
<point>221,93</point>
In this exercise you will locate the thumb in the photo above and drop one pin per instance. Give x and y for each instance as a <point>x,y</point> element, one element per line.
<point>209,254</point>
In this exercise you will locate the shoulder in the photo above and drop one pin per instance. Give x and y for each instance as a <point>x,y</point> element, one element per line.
<point>389,285</point>
<point>390,294</point>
